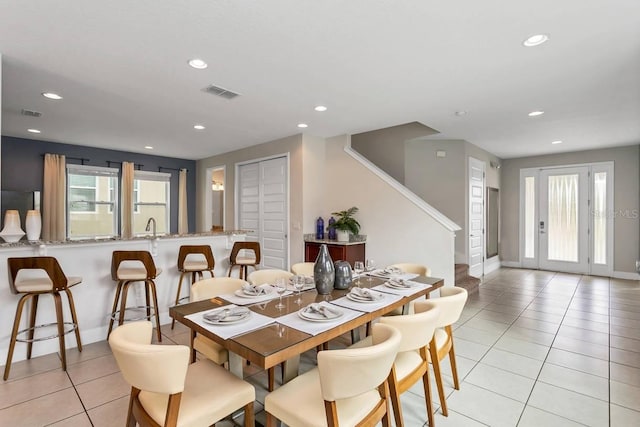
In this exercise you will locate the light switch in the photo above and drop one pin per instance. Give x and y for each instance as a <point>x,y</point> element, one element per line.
<point>441,153</point>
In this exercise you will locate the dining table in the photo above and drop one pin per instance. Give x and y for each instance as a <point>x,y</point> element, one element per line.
<point>280,336</point>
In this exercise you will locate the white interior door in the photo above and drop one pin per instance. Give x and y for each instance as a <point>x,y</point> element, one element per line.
<point>564,221</point>
<point>262,192</point>
<point>476,218</point>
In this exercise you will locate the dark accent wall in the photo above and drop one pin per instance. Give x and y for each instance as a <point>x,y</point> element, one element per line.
<point>23,162</point>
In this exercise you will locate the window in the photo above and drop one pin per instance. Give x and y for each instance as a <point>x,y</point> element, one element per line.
<point>90,201</point>
<point>529,216</point>
<point>151,199</point>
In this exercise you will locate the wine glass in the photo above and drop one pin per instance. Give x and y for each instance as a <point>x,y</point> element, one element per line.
<point>281,288</point>
<point>298,284</point>
<point>370,267</point>
<point>358,268</point>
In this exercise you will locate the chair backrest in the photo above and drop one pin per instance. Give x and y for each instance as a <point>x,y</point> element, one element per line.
<point>416,329</point>
<point>155,368</point>
<point>351,372</point>
<point>250,246</point>
<point>203,250</point>
<point>304,268</point>
<point>143,257</point>
<point>260,277</point>
<point>451,303</point>
<point>211,288</point>
<point>47,264</point>
<point>413,268</point>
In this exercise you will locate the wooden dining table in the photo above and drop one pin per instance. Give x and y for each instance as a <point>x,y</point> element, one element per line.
<point>276,343</point>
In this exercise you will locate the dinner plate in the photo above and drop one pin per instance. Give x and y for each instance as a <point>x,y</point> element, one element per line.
<point>396,286</point>
<point>317,317</point>
<point>231,319</point>
<point>356,298</point>
<point>267,291</point>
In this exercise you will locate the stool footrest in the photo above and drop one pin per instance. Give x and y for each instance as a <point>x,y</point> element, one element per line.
<point>73,327</point>
<point>116,314</point>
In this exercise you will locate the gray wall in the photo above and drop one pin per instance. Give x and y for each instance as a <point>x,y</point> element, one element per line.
<point>385,147</point>
<point>626,199</point>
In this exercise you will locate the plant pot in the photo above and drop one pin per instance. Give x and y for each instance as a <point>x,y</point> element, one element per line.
<point>343,236</point>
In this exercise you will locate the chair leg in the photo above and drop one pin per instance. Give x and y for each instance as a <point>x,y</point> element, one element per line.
<point>452,360</point>
<point>271,374</point>
<point>271,420</point>
<point>249,416</point>
<point>395,398</point>
<point>173,321</point>
<point>436,370</point>
<point>60,319</point>
<point>193,350</point>
<point>32,324</point>
<point>14,334</point>
<point>131,420</point>
<point>74,318</point>
<point>147,300</point>
<point>154,294</point>
<point>427,396</point>
<point>115,307</point>
<point>123,302</point>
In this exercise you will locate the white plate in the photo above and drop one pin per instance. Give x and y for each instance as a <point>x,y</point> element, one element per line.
<point>317,317</point>
<point>356,298</point>
<point>243,294</point>
<point>231,319</point>
<point>401,287</point>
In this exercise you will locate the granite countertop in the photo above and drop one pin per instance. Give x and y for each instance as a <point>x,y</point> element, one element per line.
<point>355,240</point>
<point>25,242</point>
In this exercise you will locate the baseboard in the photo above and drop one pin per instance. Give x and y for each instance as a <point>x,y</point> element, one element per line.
<point>491,265</point>
<point>510,264</point>
<point>625,275</point>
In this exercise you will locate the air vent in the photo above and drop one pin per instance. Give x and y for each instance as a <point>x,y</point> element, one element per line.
<point>220,91</point>
<point>31,113</point>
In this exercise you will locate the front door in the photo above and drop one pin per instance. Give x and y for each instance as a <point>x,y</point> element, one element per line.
<point>476,217</point>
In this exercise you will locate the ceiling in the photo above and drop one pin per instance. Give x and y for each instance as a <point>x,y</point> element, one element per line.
<point>121,67</point>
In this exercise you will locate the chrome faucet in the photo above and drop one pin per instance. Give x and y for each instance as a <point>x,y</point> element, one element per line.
<point>148,227</point>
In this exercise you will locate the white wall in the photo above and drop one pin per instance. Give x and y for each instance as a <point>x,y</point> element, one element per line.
<point>313,182</point>
<point>397,230</point>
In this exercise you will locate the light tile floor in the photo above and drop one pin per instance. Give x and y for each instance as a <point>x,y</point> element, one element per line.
<point>534,348</point>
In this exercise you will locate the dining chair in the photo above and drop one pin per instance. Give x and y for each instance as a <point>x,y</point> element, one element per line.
<point>349,387</point>
<point>238,257</point>
<point>304,268</point>
<point>207,289</point>
<point>260,277</point>
<point>168,391</point>
<point>193,260</point>
<point>407,267</point>
<point>412,361</point>
<point>450,303</point>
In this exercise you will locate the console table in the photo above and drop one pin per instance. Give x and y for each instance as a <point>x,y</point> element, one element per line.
<point>345,251</point>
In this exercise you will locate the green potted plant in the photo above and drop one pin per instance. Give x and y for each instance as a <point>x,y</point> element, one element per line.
<point>346,224</point>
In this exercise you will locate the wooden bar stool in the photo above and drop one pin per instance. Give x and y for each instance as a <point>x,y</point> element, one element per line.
<point>128,267</point>
<point>243,261</point>
<point>194,260</point>
<point>32,284</point>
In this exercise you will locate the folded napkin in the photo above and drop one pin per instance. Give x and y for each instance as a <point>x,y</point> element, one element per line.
<point>222,314</point>
<point>254,290</point>
<point>399,283</point>
<point>322,310</point>
<point>364,293</point>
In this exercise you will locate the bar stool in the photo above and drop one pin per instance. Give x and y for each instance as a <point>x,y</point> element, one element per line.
<point>188,264</point>
<point>126,268</point>
<point>32,285</point>
<point>242,261</point>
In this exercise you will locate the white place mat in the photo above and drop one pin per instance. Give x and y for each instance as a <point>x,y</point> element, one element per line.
<point>415,288</point>
<point>305,287</point>
<point>401,276</point>
<point>367,307</point>
<point>293,320</point>
<point>255,321</point>
<point>234,299</point>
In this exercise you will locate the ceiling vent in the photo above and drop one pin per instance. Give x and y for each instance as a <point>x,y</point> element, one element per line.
<point>31,113</point>
<point>220,91</point>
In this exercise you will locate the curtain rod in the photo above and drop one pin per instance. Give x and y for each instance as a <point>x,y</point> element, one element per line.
<point>81,159</point>
<point>137,166</point>
<point>171,169</point>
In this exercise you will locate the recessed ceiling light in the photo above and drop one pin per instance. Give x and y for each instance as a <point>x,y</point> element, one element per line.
<point>536,113</point>
<point>536,40</point>
<point>556,142</point>
<point>51,95</point>
<point>33,130</point>
<point>198,127</point>
<point>461,113</point>
<point>303,125</point>
<point>198,64</point>
<point>320,108</point>
<point>148,147</point>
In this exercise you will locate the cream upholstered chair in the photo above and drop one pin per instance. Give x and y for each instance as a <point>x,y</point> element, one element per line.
<point>304,268</point>
<point>168,391</point>
<point>413,268</point>
<point>205,289</point>
<point>412,362</point>
<point>193,260</point>
<point>349,387</point>
<point>450,303</point>
<point>260,277</point>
